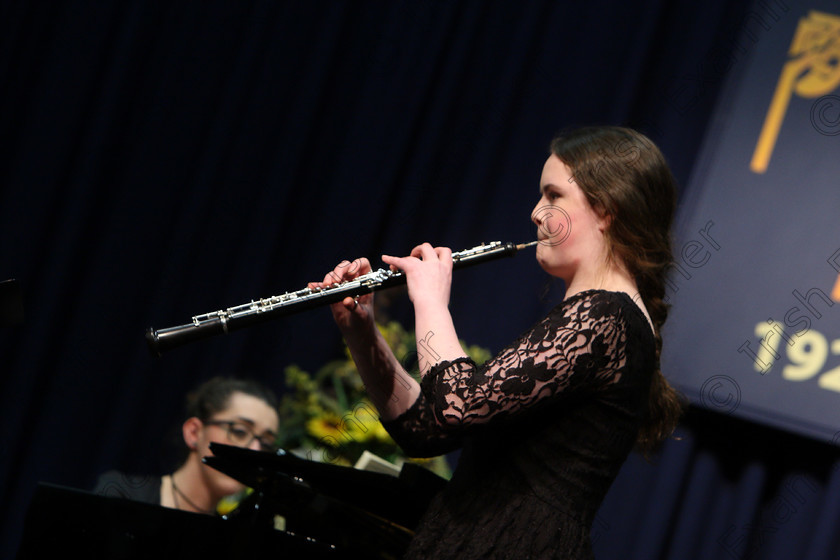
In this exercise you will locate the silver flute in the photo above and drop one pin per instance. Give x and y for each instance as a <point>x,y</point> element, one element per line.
<point>262,310</point>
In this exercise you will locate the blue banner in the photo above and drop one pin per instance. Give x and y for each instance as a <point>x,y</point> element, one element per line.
<point>754,330</point>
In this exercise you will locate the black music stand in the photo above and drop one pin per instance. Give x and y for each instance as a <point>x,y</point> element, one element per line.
<point>362,513</point>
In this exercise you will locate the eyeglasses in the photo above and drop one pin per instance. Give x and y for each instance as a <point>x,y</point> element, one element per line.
<point>242,435</point>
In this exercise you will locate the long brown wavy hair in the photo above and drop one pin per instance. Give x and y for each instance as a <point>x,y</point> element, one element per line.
<point>624,176</point>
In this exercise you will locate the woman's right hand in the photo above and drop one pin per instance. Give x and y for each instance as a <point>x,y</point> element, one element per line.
<point>349,313</point>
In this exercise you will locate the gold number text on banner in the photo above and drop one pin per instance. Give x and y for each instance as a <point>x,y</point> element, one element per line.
<point>813,70</point>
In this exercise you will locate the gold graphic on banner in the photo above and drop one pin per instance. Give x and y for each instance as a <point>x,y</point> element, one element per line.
<point>812,71</point>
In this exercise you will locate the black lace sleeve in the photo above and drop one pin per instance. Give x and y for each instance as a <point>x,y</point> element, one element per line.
<point>579,346</point>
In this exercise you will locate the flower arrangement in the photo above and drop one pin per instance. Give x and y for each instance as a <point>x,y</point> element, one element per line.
<point>327,417</point>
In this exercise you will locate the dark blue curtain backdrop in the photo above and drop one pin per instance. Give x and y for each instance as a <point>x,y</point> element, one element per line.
<point>164,160</point>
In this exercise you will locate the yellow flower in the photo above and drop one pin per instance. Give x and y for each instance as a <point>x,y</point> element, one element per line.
<point>381,434</point>
<point>361,424</point>
<point>326,428</point>
<point>230,503</point>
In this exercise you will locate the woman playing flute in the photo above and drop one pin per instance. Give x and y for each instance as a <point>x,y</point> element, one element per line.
<point>545,426</point>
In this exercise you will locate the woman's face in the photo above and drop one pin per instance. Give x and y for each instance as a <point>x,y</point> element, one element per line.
<point>250,416</point>
<point>568,228</point>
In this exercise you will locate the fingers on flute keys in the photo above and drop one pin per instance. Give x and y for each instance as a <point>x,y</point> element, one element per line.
<point>343,272</point>
<point>347,270</point>
<point>424,252</point>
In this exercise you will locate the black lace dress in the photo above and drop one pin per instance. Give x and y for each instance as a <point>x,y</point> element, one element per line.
<point>544,429</point>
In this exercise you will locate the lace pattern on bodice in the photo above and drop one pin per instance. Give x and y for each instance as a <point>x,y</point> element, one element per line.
<point>579,346</point>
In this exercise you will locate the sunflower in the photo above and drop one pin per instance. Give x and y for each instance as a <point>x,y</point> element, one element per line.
<point>326,429</point>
